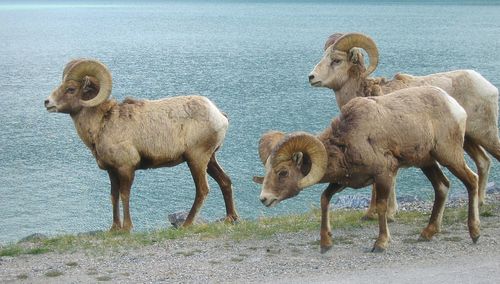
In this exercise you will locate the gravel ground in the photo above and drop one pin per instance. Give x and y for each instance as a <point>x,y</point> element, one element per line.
<point>285,258</point>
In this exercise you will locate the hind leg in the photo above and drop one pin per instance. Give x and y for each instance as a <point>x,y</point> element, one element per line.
<point>483,164</point>
<point>392,205</point>
<point>371,212</point>
<point>218,174</point>
<point>198,168</point>
<point>441,185</point>
<point>459,168</point>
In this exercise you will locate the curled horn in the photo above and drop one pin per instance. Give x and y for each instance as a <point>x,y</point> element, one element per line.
<point>95,69</point>
<point>332,39</point>
<point>350,40</point>
<point>309,145</point>
<point>70,65</point>
<point>267,143</point>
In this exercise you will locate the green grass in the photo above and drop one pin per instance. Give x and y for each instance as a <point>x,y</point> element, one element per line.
<point>53,273</point>
<point>259,229</point>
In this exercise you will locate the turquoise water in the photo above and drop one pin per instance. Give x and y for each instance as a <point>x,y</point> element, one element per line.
<point>251,59</point>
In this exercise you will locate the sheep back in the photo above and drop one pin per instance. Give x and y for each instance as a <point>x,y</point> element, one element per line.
<point>158,133</point>
<point>402,128</point>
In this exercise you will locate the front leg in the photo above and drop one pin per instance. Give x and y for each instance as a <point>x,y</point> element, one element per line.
<point>384,186</point>
<point>325,232</point>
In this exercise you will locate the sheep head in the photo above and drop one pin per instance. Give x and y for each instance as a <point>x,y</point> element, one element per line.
<point>266,145</point>
<point>343,60</point>
<point>86,83</point>
<point>297,161</point>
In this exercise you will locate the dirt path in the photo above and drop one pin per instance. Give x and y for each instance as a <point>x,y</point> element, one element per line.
<point>285,258</point>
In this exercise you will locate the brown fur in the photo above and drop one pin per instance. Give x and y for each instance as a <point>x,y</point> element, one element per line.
<point>371,140</point>
<point>475,94</point>
<point>141,134</point>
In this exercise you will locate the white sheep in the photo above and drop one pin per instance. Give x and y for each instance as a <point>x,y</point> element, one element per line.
<point>371,140</point>
<point>342,70</point>
<point>142,134</point>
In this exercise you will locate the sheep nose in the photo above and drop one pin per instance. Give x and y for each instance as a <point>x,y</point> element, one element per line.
<point>46,102</point>
<point>263,200</point>
<point>311,77</point>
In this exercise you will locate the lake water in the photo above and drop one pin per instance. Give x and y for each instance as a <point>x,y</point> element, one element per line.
<point>251,59</point>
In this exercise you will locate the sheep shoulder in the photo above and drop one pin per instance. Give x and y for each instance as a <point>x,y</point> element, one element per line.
<point>373,87</point>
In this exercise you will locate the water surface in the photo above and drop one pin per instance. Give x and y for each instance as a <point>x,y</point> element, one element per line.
<point>251,59</point>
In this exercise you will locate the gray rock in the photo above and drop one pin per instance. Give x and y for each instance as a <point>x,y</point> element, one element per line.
<point>34,238</point>
<point>178,218</point>
<point>351,201</point>
<point>90,233</point>
<point>491,187</point>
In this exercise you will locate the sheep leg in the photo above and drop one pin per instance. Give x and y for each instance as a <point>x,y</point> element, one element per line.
<point>224,182</point>
<point>384,186</point>
<point>469,179</point>
<point>372,208</point>
<point>126,177</point>
<point>441,186</point>
<point>483,164</point>
<point>199,173</point>
<point>115,201</point>
<point>392,208</point>
<point>326,232</point>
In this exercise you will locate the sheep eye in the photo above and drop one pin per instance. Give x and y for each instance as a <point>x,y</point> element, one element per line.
<point>71,90</point>
<point>336,61</point>
<point>283,174</point>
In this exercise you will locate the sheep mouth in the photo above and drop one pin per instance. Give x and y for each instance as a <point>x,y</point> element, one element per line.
<point>316,84</point>
<point>51,109</point>
<point>273,203</point>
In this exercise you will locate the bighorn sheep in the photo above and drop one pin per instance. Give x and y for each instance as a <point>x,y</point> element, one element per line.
<point>141,134</point>
<point>342,70</point>
<point>368,143</point>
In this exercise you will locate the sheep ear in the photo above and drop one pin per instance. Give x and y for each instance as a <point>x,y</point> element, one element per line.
<point>259,180</point>
<point>356,56</point>
<point>297,158</point>
<point>90,88</point>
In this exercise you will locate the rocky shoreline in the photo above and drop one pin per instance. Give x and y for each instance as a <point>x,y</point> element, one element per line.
<point>284,258</point>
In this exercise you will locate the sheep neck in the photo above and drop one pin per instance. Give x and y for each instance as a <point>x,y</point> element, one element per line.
<point>89,122</point>
<point>337,170</point>
<point>350,90</point>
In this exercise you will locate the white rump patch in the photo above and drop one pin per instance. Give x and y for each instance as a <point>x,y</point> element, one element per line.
<point>455,108</point>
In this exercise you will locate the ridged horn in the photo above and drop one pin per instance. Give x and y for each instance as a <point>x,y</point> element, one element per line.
<point>310,146</point>
<point>95,69</point>
<point>332,39</point>
<point>70,65</point>
<point>350,40</point>
<point>267,143</point>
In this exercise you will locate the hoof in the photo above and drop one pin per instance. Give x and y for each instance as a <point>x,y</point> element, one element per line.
<point>115,228</point>
<point>423,238</point>
<point>474,240</point>
<point>232,220</point>
<point>324,249</point>
<point>378,249</point>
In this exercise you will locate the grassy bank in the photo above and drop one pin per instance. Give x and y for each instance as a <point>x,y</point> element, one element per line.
<point>258,229</point>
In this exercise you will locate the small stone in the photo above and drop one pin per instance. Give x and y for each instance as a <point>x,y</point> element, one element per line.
<point>34,238</point>
<point>178,218</point>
